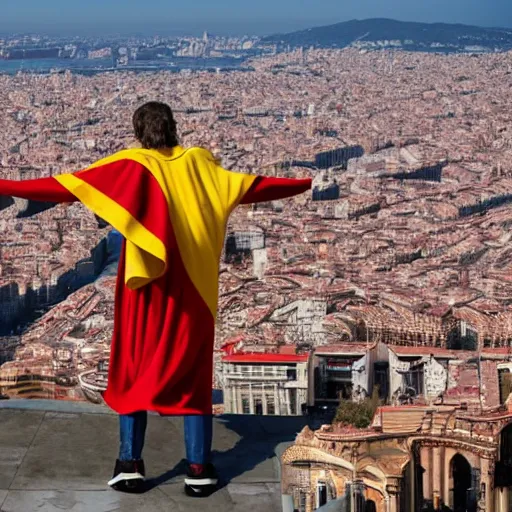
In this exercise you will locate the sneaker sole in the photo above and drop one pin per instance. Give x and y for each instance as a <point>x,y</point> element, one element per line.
<point>126,477</point>
<point>203,491</point>
<point>200,482</point>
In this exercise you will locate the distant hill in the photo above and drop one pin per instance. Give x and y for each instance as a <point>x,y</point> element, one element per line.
<point>385,33</point>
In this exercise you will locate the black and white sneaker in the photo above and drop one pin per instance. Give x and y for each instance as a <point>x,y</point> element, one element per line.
<point>128,476</point>
<point>201,481</point>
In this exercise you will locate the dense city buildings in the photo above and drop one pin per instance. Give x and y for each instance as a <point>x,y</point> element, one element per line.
<point>393,274</point>
<point>410,251</point>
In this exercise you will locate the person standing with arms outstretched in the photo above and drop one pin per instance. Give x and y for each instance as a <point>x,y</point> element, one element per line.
<point>171,205</point>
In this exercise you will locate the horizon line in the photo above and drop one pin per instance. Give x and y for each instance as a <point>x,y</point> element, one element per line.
<point>180,31</point>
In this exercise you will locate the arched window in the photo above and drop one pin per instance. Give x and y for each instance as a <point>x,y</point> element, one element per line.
<point>505,382</point>
<point>463,492</point>
<point>506,446</point>
<point>503,470</point>
<point>321,494</point>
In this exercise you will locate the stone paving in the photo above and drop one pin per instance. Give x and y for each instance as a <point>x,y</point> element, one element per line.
<point>58,456</point>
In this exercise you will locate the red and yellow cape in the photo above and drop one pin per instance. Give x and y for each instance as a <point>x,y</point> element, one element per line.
<point>171,207</point>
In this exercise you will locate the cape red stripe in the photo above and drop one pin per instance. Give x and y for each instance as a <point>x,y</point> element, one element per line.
<point>133,187</point>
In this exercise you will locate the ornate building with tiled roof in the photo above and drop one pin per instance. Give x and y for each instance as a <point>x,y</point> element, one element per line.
<point>411,459</point>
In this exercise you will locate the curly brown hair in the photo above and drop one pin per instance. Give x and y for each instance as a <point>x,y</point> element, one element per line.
<point>154,126</point>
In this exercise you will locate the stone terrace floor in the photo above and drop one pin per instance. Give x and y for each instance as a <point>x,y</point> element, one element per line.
<point>58,457</point>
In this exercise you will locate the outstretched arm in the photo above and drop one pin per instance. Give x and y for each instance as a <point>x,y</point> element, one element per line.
<point>270,189</point>
<point>123,192</point>
<point>44,189</point>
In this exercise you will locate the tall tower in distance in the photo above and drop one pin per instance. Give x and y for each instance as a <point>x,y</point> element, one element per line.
<point>205,37</point>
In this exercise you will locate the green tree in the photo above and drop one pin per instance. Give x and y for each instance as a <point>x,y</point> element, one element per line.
<point>358,414</point>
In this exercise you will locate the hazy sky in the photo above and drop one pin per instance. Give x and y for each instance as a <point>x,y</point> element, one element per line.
<point>235,16</point>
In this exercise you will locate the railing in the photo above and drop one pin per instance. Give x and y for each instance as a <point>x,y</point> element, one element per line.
<point>257,376</point>
<point>259,373</point>
<point>282,372</point>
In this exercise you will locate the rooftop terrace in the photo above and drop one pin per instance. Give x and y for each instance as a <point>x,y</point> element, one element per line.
<point>58,456</point>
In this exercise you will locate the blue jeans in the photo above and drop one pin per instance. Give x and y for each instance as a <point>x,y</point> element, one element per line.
<point>198,437</point>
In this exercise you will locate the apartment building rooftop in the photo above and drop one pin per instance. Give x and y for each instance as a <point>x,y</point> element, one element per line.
<point>59,456</point>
